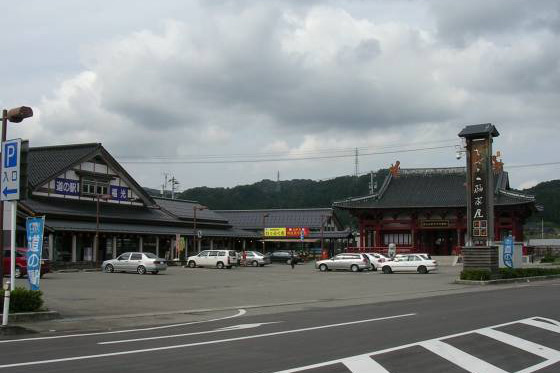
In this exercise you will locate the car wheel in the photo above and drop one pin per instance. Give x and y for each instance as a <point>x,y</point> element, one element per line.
<point>155,272</point>
<point>220,265</point>
<point>387,270</point>
<point>289,261</point>
<point>423,270</point>
<point>109,268</point>
<point>18,273</point>
<point>354,268</point>
<point>141,270</point>
<point>192,264</point>
<point>323,268</point>
<point>255,263</point>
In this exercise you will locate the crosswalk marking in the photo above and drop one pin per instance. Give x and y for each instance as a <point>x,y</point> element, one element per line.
<point>366,362</point>
<point>543,325</point>
<point>534,348</point>
<point>462,359</point>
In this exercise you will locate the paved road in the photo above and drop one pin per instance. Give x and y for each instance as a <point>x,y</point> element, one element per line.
<point>501,330</point>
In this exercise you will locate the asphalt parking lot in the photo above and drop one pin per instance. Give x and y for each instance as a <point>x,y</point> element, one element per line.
<point>269,288</point>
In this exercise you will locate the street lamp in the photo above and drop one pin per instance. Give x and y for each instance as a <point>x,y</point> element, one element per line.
<point>195,233</point>
<point>104,197</point>
<point>15,115</point>
<point>264,227</point>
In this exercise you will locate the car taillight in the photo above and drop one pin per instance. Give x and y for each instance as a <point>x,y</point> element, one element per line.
<point>228,260</point>
<point>156,261</point>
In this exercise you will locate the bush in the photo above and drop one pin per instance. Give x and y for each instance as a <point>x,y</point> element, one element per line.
<point>549,258</point>
<point>475,275</point>
<point>23,300</point>
<point>527,272</point>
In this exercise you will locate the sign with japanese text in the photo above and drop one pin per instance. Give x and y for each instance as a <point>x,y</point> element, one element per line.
<point>507,255</point>
<point>434,223</point>
<point>275,232</point>
<point>480,187</point>
<point>296,232</point>
<point>119,193</point>
<point>10,169</point>
<point>67,187</point>
<point>34,227</point>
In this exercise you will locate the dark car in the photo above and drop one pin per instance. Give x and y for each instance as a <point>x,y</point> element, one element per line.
<point>284,256</point>
<point>21,263</point>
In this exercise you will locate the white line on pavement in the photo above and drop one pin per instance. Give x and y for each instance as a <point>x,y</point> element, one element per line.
<point>221,330</point>
<point>534,348</point>
<point>364,364</point>
<point>240,312</point>
<point>84,357</point>
<point>466,361</point>
<point>371,355</point>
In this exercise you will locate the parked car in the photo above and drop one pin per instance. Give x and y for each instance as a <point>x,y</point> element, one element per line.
<point>354,262</point>
<point>21,263</point>
<point>421,263</point>
<point>376,260</point>
<point>256,259</point>
<point>284,256</point>
<point>135,262</point>
<point>213,258</point>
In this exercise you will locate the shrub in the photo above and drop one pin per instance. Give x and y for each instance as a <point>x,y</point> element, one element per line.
<point>475,275</point>
<point>549,258</point>
<point>527,272</point>
<point>23,300</point>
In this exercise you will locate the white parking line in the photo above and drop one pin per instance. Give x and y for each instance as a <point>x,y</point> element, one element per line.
<point>471,363</point>
<point>240,312</point>
<point>364,364</point>
<point>84,357</point>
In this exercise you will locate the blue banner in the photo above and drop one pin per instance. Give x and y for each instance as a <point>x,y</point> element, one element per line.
<point>119,193</point>
<point>67,186</point>
<point>34,228</point>
<point>508,252</point>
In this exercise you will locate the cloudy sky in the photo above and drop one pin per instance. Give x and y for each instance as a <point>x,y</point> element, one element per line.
<point>222,93</point>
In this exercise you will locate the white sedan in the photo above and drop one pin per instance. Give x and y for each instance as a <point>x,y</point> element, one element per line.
<point>421,263</point>
<point>376,260</point>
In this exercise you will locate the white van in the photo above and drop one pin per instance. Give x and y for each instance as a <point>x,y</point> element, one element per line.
<point>213,258</point>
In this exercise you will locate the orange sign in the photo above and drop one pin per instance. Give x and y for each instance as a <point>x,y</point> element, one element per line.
<point>296,232</point>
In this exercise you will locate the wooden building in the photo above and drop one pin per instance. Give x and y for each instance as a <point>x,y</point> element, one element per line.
<point>424,210</point>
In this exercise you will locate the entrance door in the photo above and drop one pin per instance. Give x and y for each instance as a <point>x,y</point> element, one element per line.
<point>438,242</point>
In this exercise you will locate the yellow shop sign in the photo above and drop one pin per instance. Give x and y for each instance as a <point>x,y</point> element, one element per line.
<point>275,232</point>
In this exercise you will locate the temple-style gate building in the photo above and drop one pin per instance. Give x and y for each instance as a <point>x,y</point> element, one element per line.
<point>424,210</point>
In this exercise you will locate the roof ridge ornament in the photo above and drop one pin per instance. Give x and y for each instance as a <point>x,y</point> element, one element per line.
<point>394,169</point>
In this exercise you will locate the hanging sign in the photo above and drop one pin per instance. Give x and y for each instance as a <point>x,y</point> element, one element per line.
<point>34,227</point>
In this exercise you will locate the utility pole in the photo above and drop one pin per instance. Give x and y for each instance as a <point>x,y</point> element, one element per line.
<point>165,175</point>
<point>174,183</point>
<point>356,163</point>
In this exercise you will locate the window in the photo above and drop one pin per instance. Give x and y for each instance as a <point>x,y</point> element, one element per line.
<point>151,255</point>
<point>222,253</point>
<point>203,254</point>
<point>92,187</point>
<point>213,253</point>
<point>136,257</point>
<point>397,238</point>
<point>124,256</point>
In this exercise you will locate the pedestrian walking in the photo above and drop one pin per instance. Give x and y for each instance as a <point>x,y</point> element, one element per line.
<point>292,259</point>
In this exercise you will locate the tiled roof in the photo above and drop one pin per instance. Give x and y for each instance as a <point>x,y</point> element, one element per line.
<point>419,188</point>
<point>49,161</point>
<point>185,209</point>
<point>253,219</point>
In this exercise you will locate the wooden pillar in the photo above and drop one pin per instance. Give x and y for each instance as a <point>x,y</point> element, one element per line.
<point>95,248</point>
<point>51,247</point>
<point>114,247</point>
<point>157,246</point>
<point>141,244</point>
<point>74,245</point>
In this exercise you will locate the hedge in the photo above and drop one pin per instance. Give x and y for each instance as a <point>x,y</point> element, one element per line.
<point>504,273</point>
<point>23,300</point>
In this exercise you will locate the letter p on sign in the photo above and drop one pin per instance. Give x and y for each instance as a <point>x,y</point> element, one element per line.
<point>10,160</point>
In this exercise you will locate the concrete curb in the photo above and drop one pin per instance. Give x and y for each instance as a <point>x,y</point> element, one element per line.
<point>507,280</point>
<point>33,316</point>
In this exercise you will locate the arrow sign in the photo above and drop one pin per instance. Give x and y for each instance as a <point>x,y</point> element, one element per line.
<point>7,191</point>
<point>226,329</point>
<point>10,169</point>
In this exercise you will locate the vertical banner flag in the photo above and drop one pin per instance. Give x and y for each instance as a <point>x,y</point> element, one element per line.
<point>34,227</point>
<point>508,252</point>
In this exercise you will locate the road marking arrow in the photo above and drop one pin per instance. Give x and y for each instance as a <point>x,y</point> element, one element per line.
<point>226,329</point>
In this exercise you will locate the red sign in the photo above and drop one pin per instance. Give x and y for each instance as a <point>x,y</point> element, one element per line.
<point>296,232</point>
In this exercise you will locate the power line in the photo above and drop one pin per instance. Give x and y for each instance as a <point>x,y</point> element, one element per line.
<point>286,159</point>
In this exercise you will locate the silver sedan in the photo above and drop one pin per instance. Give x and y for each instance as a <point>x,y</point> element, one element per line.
<point>345,261</point>
<point>135,262</point>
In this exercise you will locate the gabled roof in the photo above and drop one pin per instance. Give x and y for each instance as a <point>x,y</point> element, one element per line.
<point>184,210</point>
<point>253,219</point>
<point>47,162</point>
<point>423,188</point>
<point>479,130</point>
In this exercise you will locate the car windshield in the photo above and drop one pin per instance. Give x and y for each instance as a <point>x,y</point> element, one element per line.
<point>151,255</point>
<point>426,256</point>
